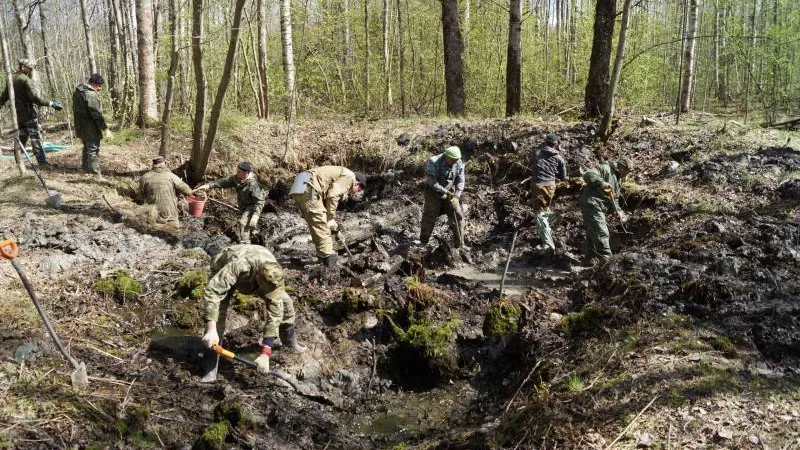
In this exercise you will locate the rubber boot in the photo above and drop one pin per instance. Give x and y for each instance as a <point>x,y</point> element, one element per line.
<point>289,339</point>
<point>329,261</point>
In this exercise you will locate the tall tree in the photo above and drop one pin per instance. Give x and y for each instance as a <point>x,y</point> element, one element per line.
<point>619,59</point>
<point>173,68</point>
<point>88,34</point>
<point>689,56</point>
<point>11,101</point>
<point>201,88</point>
<point>453,66</point>
<point>148,104</point>
<point>751,64</point>
<point>48,65</point>
<point>113,58</point>
<point>514,59</point>
<point>600,59</point>
<point>387,77</point>
<point>288,58</point>
<point>402,60</point>
<point>347,50</point>
<point>23,11</point>
<point>366,56</point>
<point>263,68</point>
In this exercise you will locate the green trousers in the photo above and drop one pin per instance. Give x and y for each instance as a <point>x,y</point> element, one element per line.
<point>598,247</point>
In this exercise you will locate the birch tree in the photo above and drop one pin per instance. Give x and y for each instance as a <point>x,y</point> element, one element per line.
<point>689,56</point>
<point>11,101</point>
<point>263,69</point>
<point>148,106</point>
<point>619,59</point>
<point>173,68</point>
<point>201,88</point>
<point>288,58</point>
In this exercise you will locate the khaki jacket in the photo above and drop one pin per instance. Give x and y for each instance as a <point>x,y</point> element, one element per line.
<point>331,183</point>
<point>158,188</point>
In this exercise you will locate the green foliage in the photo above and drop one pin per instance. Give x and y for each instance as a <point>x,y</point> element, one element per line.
<point>120,286</point>
<point>723,344</point>
<point>213,438</point>
<point>420,293</point>
<point>235,414</point>
<point>432,341</point>
<point>193,283</point>
<point>502,319</point>
<point>123,136</point>
<point>584,320</point>
<point>575,384</point>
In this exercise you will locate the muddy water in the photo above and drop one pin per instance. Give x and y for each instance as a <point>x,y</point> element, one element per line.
<point>518,279</point>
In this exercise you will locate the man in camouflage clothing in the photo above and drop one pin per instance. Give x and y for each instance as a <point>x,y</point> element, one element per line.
<point>251,270</point>
<point>25,97</point>
<point>158,188</point>
<point>317,193</point>
<point>443,188</point>
<point>250,196</point>
<point>90,126</point>
<point>598,198</point>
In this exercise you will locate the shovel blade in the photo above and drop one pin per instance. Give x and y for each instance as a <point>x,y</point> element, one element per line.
<point>79,377</point>
<point>54,200</point>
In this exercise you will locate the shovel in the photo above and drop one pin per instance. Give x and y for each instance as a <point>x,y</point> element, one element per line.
<point>9,250</point>
<point>53,199</point>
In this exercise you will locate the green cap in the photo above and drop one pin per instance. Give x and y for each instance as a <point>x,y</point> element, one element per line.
<point>453,152</point>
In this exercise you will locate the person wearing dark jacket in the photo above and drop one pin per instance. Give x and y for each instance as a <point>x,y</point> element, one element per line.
<point>90,126</point>
<point>25,98</point>
<point>548,166</point>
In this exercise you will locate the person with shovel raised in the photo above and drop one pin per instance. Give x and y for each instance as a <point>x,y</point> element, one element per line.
<point>548,166</point>
<point>158,187</point>
<point>25,99</point>
<point>317,193</point>
<point>598,197</point>
<point>90,125</point>
<point>444,185</point>
<point>251,270</point>
<point>250,196</point>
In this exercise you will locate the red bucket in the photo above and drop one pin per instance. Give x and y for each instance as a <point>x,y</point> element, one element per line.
<point>196,205</point>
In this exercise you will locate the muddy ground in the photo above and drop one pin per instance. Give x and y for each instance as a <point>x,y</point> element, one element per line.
<point>689,337</point>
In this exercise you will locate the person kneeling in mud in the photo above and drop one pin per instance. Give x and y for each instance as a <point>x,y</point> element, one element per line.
<point>251,270</point>
<point>250,196</point>
<point>444,185</point>
<point>158,187</point>
<point>598,198</point>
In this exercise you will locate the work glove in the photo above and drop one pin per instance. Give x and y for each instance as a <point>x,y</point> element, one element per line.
<point>447,195</point>
<point>266,352</point>
<point>108,133</point>
<point>333,226</point>
<point>57,106</point>
<point>608,190</point>
<point>253,223</point>
<point>210,338</point>
<point>622,216</point>
<point>202,187</point>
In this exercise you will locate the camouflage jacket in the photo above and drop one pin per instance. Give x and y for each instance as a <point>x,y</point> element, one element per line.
<point>25,97</point>
<point>442,177</point>
<point>88,113</point>
<point>595,179</point>
<point>250,196</point>
<point>332,184</point>
<point>158,187</point>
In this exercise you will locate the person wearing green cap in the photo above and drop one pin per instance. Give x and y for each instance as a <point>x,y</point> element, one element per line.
<point>444,185</point>
<point>25,97</point>
<point>598,197</point>
<point>250,196</point>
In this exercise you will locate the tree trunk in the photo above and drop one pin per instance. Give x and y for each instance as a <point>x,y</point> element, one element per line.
<point>387,78</point>
<point>689,57</point>
<point>619,59</point>
<point>453,67</point>
<point>401,74</point>
<point>201,86</point>
<point>48,65</point>
<point>715,49</point>
<point>347,51</point>
<point>263,67</point>
<point>213,122</point>
<point>173,68</point>
<point>10,83</point>
<point>597,88</point>
<point>148,104</point>
<point>288,58</point>
<point>366,57</point>
<point>23,14</point>
<point>88,34</point>
<point>751,64</point>
<point>467,17</point>
<point>514,59</point>
<point>113,39</point>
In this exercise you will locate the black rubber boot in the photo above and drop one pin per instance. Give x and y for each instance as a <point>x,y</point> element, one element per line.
<point>329,261</point>
<point>289,339</point>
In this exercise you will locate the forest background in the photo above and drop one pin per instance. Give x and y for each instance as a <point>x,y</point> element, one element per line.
<point>167,61</point>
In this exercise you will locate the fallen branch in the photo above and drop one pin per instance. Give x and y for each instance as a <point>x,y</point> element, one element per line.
<point>530,374</point>
<point>631,423</point>
<point>220,202</point>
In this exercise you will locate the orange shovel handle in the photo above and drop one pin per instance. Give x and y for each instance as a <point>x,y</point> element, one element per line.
<point>222,352</point>
<point>8,249</point>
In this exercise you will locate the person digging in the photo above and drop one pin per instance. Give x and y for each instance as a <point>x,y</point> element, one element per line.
<point>90,125</point>
<point>25,100</point>
<point>158,188</point>
<point>250,197</point>
<point>547,167</point>
<point>444,185</point>
<point>251,270</point>
<point>598,198</point>
<point>317,193</point>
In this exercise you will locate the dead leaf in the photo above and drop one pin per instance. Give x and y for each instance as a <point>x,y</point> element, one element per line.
<point>645,440</point>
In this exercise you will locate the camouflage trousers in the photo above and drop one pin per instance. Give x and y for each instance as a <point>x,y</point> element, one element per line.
<point>30,130</point>
<point>434,207</point>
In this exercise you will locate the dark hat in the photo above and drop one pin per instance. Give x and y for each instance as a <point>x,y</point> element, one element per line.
<point>158,160</point>
<point>97,79</point>
<point>245,166</point>
<point>551,138</point>
<point>361,178</point>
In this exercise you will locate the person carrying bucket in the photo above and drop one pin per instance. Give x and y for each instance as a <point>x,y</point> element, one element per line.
<point>249,194</point>
<point>157,187</point>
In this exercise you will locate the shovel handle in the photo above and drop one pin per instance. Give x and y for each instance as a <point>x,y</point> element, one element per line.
<point>222,352</point>
<point>8,249</point>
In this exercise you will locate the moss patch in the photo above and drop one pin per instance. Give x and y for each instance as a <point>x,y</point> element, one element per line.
<point>192,284</point>
<point>723,344</point>
<point>121,286</point>
<point>502,319</point>
<point>213,438</point>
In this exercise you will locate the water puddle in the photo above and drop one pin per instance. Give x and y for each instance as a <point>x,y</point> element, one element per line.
<point>518,279</point>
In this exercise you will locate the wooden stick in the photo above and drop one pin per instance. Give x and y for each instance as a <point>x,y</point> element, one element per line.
<point>530,374</point>
<point>631,424</point>
<point>508,260</point>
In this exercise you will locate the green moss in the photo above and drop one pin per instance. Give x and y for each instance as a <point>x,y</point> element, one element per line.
<point>188,317</point>
<point>433,341</point>
<point>121,286</point>
<point>193,283</point>
<point>502,319</point>
<point>356,299</point>
<point>723,344</point>
<point>213,438</point>
<point>585,320</point>
<point>419,292</point>
<point>234,413</point>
